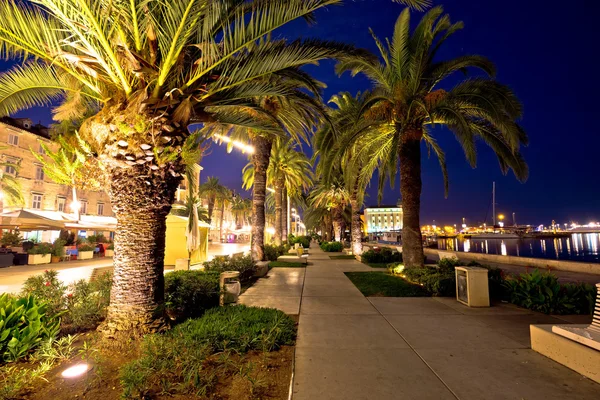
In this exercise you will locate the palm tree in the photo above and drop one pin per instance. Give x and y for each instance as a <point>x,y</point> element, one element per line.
<point>224,198</point>
<point>151,69</point>
<point>241,209</point>
<point>350,161</point>
<point>289,171</point>
<point>407,100</point>
<point>334,197</point>
<point>211,190</point>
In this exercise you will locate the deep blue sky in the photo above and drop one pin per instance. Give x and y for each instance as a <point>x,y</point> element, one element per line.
<point>546,53</point>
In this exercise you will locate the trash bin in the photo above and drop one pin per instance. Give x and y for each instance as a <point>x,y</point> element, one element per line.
<point>472,286</point>
<point>231,287</point>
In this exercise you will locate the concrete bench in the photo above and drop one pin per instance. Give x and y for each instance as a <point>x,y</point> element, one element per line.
<point>574,346</point>
<point>446,254</point>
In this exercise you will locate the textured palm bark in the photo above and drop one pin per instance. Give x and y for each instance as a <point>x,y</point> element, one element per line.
<point>337,224</point>
<point>211,207</point>
<point>141,204</point>
<point>260,162</point>
<point>355,231</point>
<point>286,217</point>
<point>278,212</point>
<point>410,188</point>
<point>222,217</point>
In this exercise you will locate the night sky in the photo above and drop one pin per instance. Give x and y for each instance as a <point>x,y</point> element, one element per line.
<point>545,53</point>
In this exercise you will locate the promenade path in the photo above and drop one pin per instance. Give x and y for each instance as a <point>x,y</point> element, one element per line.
<point>353,347</point>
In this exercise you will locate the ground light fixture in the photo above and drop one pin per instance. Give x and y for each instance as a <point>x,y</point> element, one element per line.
<point>76,370</point>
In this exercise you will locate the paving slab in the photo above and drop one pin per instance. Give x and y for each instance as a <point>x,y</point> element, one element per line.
<point>575,319</point>
<point>364,374</point>
<point>289,305</point>
<point>495,309</point>
<point>329,305</point>
<point>274,290</point>
<point>347,332</point>
<point>410,306</point>
<point>516,327</point>
<point>333,289</point>
<point>449,332</point>
<point>500,374</point>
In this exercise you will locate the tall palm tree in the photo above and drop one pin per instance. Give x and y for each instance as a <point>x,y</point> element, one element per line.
<point>151,69</point>
<point>333,196</point>
<point>350,161</point>
<point>289,171</point>
<point>223,199</point>
<point>241,209</point>
<point>407,100</point>
<point>211,190</point>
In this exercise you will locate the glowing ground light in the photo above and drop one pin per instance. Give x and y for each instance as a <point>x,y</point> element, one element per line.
<point>75,371</point>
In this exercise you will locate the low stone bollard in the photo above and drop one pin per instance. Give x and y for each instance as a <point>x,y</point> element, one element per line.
<point>262,267</point>
<point>229,282</point>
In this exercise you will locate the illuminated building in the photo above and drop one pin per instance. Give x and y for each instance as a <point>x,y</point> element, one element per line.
<point>383,222</point>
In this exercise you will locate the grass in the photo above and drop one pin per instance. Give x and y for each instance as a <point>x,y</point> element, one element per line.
<point>342,257</point>
<point>382,284</point>
<point>284,264</point>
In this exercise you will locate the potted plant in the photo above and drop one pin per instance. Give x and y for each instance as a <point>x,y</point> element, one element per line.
<point>110,250</point>
<point>58,250</point>
<point>86,252</point>
<point>39,254</point>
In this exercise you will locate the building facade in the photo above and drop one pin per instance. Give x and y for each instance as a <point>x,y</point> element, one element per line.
<point>383,222</point>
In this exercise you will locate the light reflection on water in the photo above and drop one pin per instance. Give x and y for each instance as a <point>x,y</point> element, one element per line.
<point>577,247</point>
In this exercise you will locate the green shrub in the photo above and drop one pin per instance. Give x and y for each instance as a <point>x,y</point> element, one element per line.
<point>68,237</point>
<point>272,252</point>
<point>82,304</point>
<point>58,248</point>
<point>189,293</point>
<point>437,281</point>
<point>303,240</point>
<point>244,265</point>
<point>48,288</point>
<point>24,323</point>
<point>42,248</point>
<point>381,255</point>
<point>87,302</point>
<point>332,247</point>
<point>448,264</point>
<point>111,246</point>
<point>11,239</point>
<point>86,247</point>
<point>542,292</point>
<point>184,350</point>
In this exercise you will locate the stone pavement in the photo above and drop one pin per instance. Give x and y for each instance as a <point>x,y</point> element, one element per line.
<point>352,347</point>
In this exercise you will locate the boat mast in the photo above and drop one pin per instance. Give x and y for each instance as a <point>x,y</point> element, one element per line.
<point>494,204</point>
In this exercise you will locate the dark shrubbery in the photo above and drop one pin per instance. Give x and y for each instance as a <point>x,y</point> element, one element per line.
<point>332,247</point>
<point>11,239</point>
<point>244,265</point>
<point>381,255</point>
<point>189,293</point>
<point>303,240</point>
<point>42,248</point>
<point>185,352</point>
<point>541,291</point>
<point>272,252</point>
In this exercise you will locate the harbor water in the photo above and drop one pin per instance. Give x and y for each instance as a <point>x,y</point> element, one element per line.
<point>577,247</point>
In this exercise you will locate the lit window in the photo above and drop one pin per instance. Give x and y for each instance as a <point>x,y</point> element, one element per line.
<point>100,208</point>
<point>84,205</point>
<point>10,170</point>
<point>13,139</point>
<point>36,201</point>
<point>60,203</point>
<point>39,173</point>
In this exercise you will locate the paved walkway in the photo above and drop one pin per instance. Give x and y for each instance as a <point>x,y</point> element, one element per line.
<point>352,347</point>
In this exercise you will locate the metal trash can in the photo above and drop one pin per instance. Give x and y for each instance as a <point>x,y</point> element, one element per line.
<point>472,286</point>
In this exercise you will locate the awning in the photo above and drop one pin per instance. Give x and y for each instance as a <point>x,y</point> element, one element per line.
<point>29,220</point>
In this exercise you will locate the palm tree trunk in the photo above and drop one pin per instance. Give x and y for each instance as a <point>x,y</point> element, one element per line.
<point>278,211</point>
<point>221,220</point>
<point>337,225</point>
<point>285,220</point>
<point>410,189</point>
<point>355,230</point>
<point>260,162</point>
<point>137,295</point>
<point>211,208</point>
